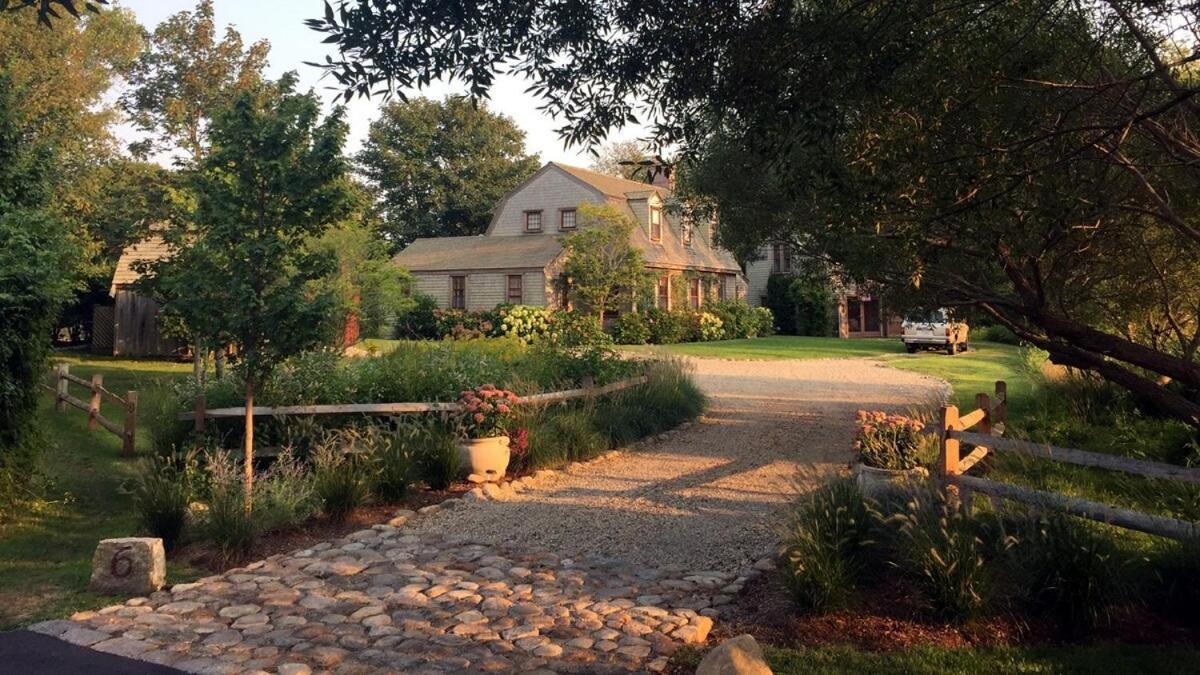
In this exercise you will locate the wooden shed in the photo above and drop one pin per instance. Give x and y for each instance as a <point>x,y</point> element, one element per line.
<point>134,317</point>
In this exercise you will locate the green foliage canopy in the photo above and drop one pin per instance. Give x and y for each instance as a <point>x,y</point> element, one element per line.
<point>441,166</point>
<point>33,256</point>
<point>602,264</point>
<point>184,75</point>
<point>241,273</point>
<point>1032,160</point>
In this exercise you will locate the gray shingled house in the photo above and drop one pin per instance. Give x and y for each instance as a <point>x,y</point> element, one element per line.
<point>519,259</point>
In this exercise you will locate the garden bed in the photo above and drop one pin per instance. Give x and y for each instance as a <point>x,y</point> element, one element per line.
<point>203,555</point>
<point>888,618</point>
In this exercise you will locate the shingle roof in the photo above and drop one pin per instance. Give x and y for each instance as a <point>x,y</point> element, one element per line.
<point>440,254</point>
<point>150,249</point>
<point>671,252</point>
<point>612,185</point>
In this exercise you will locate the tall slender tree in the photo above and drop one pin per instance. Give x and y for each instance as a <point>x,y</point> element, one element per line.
<point>243,274</point>
<point>187,72</point>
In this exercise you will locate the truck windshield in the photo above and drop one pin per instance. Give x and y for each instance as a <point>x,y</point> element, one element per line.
<point>927,316</point>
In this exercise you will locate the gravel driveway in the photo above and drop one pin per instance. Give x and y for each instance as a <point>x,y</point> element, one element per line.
<point>608,568</point>
<point>707,497</point>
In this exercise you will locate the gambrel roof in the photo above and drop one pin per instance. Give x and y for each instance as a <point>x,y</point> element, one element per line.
<point>445,254</point>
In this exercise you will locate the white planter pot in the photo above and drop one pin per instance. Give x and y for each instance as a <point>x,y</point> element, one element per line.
<point>875,483</point>
<point>487,457</point>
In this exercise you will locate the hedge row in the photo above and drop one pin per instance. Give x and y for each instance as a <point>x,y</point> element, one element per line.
<point>724,320</point>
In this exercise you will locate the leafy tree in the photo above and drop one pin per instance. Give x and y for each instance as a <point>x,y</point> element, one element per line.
<point>186,74</point>
<point>65,75</point>
<point>129,197</point>
<point>441,166</point>
<point>1005,157</point>
<point>604,266</point>
<point>368,285</point>
<point>242,273</point>
<point>33,254</point>
<point>46,9</point>
<point>626,159</point>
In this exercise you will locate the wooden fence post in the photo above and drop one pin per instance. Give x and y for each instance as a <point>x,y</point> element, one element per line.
<point>984,403</point>
<point>94,402</point>
<point>1001,402</point>
<point>60,397</point>
<point>950,446</point>
<point>131,406</point>
<point>199,423</point>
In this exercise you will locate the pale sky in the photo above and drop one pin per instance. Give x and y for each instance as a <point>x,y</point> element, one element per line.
<point>280,22</point>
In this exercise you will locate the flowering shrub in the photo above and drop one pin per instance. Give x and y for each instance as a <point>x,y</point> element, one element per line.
<point>486,410</point>
<point>709,327</point>
<point>763,323</point>
<point>667,326</point>
<point>527,324</point>
<point>457,324</point>
<point>576,329</point>
<point>631,328</point>
<point>888,441</point>
<point>518,447</point>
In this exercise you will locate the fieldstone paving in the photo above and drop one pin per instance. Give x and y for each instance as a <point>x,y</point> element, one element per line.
<point>609,566</point>
<point>382,600</point>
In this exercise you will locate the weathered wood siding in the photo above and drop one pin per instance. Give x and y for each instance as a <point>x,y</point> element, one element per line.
<point>135,327</point>
<point>548,193</point>
<point>487,289</point>
<point>757,273</point>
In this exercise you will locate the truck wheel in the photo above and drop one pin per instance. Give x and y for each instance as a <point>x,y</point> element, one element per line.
<point>911,349</point>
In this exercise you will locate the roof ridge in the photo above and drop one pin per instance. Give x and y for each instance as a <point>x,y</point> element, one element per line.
<point>595,179</point>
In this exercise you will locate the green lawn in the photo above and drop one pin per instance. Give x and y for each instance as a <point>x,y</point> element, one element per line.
<point>781,347</point>
<point>45,555</point>
<point>973,372</point>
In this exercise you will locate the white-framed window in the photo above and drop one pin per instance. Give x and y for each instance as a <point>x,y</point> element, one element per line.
<point>516,291</point>
<point>686,232</point>
<point>655,224</point>
<point>566,219</point>
<point>533,221</point>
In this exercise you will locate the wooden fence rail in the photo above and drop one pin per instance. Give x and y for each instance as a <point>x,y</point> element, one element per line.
<point>201,413</point>
<point>988,420</point>
<point>63,379</point>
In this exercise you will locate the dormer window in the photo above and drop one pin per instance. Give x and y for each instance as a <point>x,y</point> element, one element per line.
<point>533,221</point>
<point>655,224</point>
<point>685,232</point>
<point>566,219</point>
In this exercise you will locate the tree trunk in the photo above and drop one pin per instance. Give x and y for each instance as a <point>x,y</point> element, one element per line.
<point>198,363</point>
<point>1075,356</point>
<point>219,362</point>
<point>248,449</point>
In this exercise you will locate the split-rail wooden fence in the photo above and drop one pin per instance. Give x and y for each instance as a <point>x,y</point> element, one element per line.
<point>981,430</point>
<point>200,414</point>
<point>63,379</point>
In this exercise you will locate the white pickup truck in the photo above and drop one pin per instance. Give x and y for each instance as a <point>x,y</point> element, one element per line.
<point>934,330</point>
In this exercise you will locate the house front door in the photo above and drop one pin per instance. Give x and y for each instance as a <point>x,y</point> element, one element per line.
<point>870,310</point>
